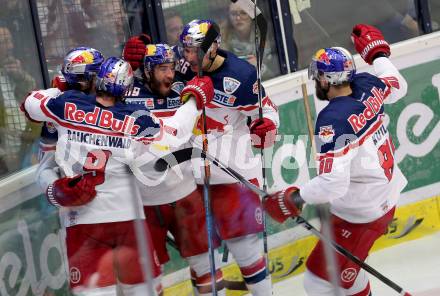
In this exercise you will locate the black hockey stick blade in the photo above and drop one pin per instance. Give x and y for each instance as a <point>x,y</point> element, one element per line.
<point>172,159</point>
<point>225,256</point>
<point>186,154</point>
<point>235,285</point>
<point>262,27</point>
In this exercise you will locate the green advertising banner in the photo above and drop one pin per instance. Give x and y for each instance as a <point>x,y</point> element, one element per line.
<point>415,126</point>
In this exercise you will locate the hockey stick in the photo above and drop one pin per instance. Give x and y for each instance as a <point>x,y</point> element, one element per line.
<point>353,258</point>
<point>323,211</point>
<point>225,254</point>
<point>211,35</point>
<point>190,153</point>
<point>252,10</point>
<point>143,243</point>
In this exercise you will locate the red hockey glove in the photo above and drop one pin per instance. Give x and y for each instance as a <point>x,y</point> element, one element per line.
<point>72,192</point>
<point>369,41</point>
<point>284,204</point>
<point>134,50</point>
<point>60,82</point>
<point>201,89</point>
<point>263,133</point>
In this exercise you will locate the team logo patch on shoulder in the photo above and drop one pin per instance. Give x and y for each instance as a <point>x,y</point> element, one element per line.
<point>177,87</point>
<point>51,127</point>
<point>149,103</point>
<point>326,133</point>
<point>230,85</point>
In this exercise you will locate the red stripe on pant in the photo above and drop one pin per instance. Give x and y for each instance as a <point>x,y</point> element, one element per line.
<point>255,268</point>
<point>364,292</point>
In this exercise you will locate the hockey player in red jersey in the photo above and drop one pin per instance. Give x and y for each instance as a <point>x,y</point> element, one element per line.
<point>172,203</point>
<point>96,134</point>
<point>76,74</point>
<point>237,212</point>
<point>357,174</point>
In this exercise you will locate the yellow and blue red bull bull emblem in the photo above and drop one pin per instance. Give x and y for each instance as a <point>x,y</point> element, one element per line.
<point>322,56</point>
<point>150,50</point>
<point>84,57</point>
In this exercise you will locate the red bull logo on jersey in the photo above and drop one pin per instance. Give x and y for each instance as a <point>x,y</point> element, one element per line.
<point>373,105</point>
<point>211,125</point>
<point>101,118</point>
<point>326,133</point>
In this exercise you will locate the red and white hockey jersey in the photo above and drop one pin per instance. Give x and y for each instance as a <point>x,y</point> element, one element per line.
<point>357,172</point>
<point>94,137</point>
<point>229,140</point>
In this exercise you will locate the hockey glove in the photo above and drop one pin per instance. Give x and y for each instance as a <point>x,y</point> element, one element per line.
<point>200,88</point>
<point>134,50</point>
<point>75,191</point>
<point>60,82</point>
<point>369,42</point>
<point>284,204</point>
<point>263,133</point>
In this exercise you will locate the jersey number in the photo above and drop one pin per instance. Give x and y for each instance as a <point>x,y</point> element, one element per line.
<point>325,165</point>
<point>96,161</point>
<point>183,66</point>
<point>133,92</point>
<point>386,158</point>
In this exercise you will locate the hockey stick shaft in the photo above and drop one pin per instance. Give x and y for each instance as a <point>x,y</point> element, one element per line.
<point>210,37</point>
<point>145,249</point>
<point>298,219</point>
<point>251,8</point>
<point>323,211</point>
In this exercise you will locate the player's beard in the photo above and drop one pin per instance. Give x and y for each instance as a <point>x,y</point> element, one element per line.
<point>321,92</point>
<point>162,88</point>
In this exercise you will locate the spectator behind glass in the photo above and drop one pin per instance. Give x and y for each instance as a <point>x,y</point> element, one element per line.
<point>99,24</point>
<point>16,134</point>
<point>238,36</point>
<point>173,25</point>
